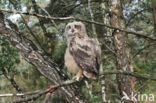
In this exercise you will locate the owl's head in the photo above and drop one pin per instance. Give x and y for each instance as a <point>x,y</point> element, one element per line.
<point>75,28</point>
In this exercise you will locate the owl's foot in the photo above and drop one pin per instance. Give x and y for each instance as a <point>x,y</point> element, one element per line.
<point>79,75</point>
<point>76,78</point>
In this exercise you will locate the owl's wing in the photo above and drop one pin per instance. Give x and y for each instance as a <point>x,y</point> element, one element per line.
<point>86,54</point>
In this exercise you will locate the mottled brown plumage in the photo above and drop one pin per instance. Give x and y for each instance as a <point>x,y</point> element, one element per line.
<point>83,55</point>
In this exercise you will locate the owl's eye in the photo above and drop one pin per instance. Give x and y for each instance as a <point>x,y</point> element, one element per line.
<point>77,27</point>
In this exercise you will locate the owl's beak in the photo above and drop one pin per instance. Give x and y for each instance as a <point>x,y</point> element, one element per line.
<point>72,30</point>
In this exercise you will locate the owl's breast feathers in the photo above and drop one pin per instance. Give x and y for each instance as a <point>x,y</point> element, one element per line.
<point>86,54</point>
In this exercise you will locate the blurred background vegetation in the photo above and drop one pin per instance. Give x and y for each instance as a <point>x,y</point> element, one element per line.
<point>50,38</point>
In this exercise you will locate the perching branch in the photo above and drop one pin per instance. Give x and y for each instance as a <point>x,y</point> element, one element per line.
<point>69,82</point>
<point>79,19</point>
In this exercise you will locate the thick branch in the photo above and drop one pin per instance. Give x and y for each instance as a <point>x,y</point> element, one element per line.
<point>88,21</point>
<point>34,57</point>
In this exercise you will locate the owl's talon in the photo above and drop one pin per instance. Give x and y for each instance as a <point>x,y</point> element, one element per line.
<point>76,78</point>
<point>78,75</point>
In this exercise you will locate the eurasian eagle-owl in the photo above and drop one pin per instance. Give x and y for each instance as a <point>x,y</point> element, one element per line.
<point>83,55</point>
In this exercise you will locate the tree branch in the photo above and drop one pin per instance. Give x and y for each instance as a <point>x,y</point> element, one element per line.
<point>79,19</point>
<point>14,84</point>
<point>42,64</point>
<point>43,92</point>
<point>134,74</point>
<point>137,13</point>
<point>32,97</point>
<point>69,82</point>
<point>20,94</point>
<point>41,21</point>
<point>140,50</point>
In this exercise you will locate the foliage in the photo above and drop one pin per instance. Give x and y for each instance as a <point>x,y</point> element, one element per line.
<point>9,55</point>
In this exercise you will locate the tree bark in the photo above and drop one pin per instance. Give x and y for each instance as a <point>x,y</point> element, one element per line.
<point>154,15</point>
<point>104,85</point>
<point>125,83</point>
<point>35,57</point>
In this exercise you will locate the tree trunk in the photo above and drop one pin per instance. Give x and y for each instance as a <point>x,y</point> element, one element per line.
<point>104,90</point>
<point>125,83</point>
<point>43,64</point>
<point>154,15</point>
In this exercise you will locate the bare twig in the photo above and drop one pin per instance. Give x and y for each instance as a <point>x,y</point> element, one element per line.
<point>89,87</point>
<point>41,21</point>
<point>11,95</point>
<point>14,84</point>
<point>30,31</point>
<point>140,50</point>
<point>32,97</point>
<point>110,49</point>
<point>79,19</point>
<point>20,94</point>
<point>134,74</point>
<point>139,12</point>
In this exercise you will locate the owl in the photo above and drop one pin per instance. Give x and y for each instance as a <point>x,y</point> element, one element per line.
<point>83,54</point>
